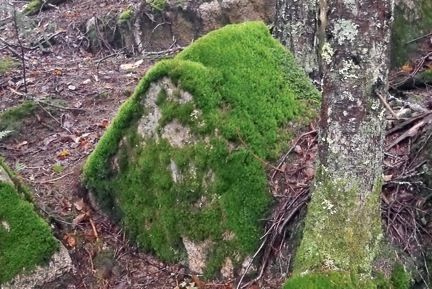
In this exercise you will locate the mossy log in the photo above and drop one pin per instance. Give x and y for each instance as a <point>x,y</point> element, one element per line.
<point>183,163</point>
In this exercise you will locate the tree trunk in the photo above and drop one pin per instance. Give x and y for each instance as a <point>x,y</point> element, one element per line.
<point>295,26</point>
<point>343,228</point>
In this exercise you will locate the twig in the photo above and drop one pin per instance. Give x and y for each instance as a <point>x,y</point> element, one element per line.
<point>60,107</point>
<point>250,264</point>
<point>15,24</point>
<point>94,228</point>
<point>54,180</point>
<point>386,105</point>
<point>419,38</point>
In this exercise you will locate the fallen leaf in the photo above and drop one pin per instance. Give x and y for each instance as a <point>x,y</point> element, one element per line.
<point>199,283</point>
<point>63,154</point>
<point>407,68</point>
<point>78,219</point>
<point>387,178</point>
<point>70,240</point>
<point>79,205</point>
<point>298,149</point>
<point>21,144</point>
<point>57,72</point>
<point>309,172</point>
<point>104,123</point>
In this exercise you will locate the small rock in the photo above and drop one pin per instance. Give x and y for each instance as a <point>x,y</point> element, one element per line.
<point>72,87</point>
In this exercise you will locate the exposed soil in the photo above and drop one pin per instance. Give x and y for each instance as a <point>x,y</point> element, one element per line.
<point>79,93</point>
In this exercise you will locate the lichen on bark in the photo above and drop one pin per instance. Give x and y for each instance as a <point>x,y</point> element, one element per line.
<point>295,27</point>
<point>343,232</point>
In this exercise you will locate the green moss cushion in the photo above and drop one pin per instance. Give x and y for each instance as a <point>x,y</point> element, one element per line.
<point>25,239</point>
<point>184,159</point>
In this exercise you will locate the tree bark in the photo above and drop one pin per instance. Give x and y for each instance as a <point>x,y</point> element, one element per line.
<point>343,226</point>
<point>295,26</point>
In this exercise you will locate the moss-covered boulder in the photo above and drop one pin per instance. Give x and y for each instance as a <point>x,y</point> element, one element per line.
<point>29,253</point>
<point>183,163</point>
<point>413,19</point>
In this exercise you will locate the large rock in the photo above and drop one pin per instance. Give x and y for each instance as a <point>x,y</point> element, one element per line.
<point>30,256</point>
<point>153,27</point>
<point>183,164</point>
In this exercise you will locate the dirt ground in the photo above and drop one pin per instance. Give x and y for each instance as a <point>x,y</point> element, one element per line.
<point>78,93</point>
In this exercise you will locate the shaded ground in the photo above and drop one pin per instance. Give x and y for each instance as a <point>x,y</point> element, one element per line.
<point>78,95</point>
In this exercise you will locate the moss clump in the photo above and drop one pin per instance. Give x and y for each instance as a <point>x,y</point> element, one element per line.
<point>245,88</point>
<point>11,119</point>
<point>25,239</point>
<point>409,23</point>
<point>157,4</point>
<point>125,16</point>
<point>344,280</point>
<point>6,64</point>
<point>33,7</point>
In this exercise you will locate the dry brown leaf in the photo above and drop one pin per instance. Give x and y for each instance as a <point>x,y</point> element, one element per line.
<point>104,123</point>
<point>200,284</point>
<point>387,178</point>
<point>57,72</point>
<point>78,219</point>
<point>298,149</point>
<point>407,68</point>
<point>21,144</point>
<point>70,240</point>
<point>309,172</point>
<point>79,205</point>
<point>63,154</point>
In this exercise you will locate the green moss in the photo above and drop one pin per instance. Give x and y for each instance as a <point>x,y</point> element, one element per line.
<point>6,64</point>
<point>25,239</point>
<point>339,234</point>
<point>409,24</point>
<point>125,16</point>
<point>345,280</point>
<point>11,119</point>
<point>342,239</point>
<point>246,88</point>
<point>400,278</point>
<point>157,4</point>
<point>33,7</point>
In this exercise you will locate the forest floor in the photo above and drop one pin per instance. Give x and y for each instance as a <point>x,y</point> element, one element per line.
<point>77,94</point>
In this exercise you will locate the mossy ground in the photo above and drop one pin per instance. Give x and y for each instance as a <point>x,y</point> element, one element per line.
<point>344,280</point>
<point>6,64</point>
<point>12,118</point>
<point>247,89</point>
<point>25,239</point>
<point>125,16</point>
<point>33,7</point>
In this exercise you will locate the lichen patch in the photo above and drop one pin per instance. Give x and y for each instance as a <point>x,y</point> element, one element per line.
<point>177,134</point>
<point>5,225</point>
<point>345,30</point>
<point>197,254</point>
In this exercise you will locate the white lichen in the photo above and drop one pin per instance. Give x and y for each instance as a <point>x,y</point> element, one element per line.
<point>327,52</point>
<point>345,30</point>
